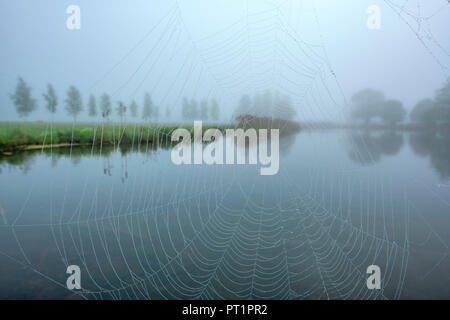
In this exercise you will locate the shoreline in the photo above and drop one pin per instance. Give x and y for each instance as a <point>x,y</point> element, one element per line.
<point>22,136</point>
<point>8,151</point>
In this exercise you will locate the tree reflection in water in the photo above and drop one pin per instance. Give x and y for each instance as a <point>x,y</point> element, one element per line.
<point>436,146</point>
<point>366,148</point>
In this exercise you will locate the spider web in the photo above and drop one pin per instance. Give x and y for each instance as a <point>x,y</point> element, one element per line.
<point>420,22</point>
<point>227,235</point>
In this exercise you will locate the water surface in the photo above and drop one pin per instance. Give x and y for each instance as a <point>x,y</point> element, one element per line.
<point>141,227</point>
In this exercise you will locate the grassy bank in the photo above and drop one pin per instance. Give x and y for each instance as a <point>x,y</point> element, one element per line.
<point>32,135</point>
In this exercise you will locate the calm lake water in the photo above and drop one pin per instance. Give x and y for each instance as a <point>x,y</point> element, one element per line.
<point>140,227</point>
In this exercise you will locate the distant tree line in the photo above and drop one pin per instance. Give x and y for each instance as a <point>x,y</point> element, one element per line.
<point>205,110</point>
<point>433,111</point>
<point>25,104</point>
<point>369,104</point>
<point>270,104</point>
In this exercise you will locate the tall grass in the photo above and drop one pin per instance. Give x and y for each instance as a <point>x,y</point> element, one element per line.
<point>18,135</point>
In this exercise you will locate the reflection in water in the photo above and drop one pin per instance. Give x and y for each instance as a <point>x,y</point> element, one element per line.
<point>367,148</point>
<point>24,160</point>
<point>286,144</point>
<point>436,146</point>
<point>162,231</point>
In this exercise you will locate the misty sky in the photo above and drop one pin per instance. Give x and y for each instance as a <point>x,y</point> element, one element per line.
<point>224,48</point>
